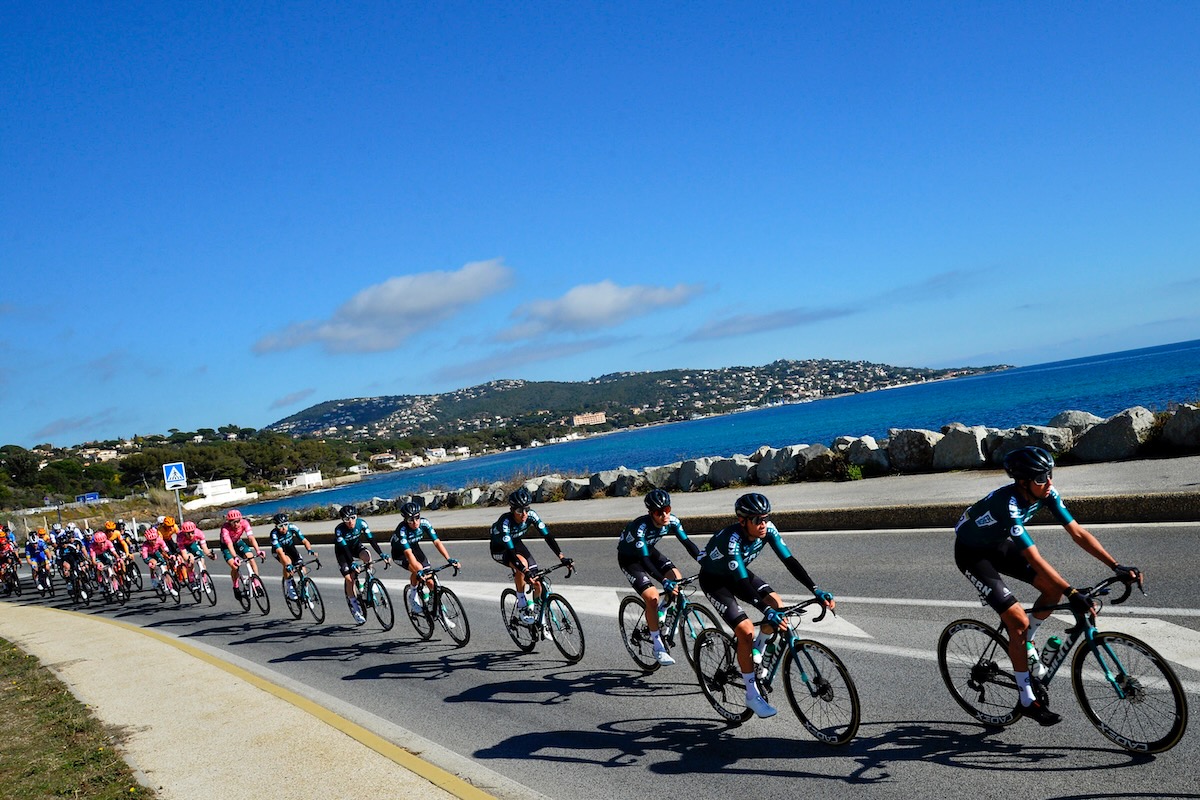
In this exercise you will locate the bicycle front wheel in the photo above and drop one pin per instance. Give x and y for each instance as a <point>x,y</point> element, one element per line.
<point>636,634</point>
<point>210,591</point>
<point>565,630</point>
<point>720,679</point>
<point>697,619</point>
<point>422,621</point>
<point>292,598</point>
<point>973,660</point>
<point>311,597</point>
<point>522,635</point>
<point>135,574</point>
<point>453,617</point>
<point>1130,693</point>
<point>821,692</point>
<point>381,604</point>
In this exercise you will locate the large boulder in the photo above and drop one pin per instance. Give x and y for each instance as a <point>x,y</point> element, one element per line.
<point>911,449</point>
<point>577,489</point>
<point>841,445</point>
<point>961,447</point>
<point>693,473</point>
<point>730,471</point>
<point>619,482</point>
<point>548,489</point>
<point>1182,430</point>
<point>1118,437</point>
<point>778,465</point>
<point>1077,421</point>
<point>664,477</point>
<point>464,497</point>
<point>821,464</point>
<point>1000,443</point>
<point>758,454</point>
<point>866,454</point>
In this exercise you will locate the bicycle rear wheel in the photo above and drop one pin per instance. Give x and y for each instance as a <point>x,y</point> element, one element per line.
<point>697,619</point>
<point>719,676</point>
<point>522,635</point>
<point>311,597</point>
<point>135,574</point>
<point>973,660</point>
<point>636,634</point>
<point>206,585</point>
<point>172,587</point>
<point>381,604</point>
<point>1149,714</point>
<point>260,594</point>
<point>422,621</point>
<point>565,630</point>
<point>292,599</point>
<point>821,692</point>
<point>454,617</point>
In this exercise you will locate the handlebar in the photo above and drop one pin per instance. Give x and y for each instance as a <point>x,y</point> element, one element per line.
<point>425,572</point>
<point>541,572</point>
<point>797,610</point>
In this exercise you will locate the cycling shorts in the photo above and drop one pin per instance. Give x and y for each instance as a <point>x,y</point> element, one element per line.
<point>346,557</point>
<point>508,556</point>
<point>639,576</point>
<point>726,594</point>
<point>288,550</point>
<point>241,547</point>
<point>399,557</point>
<point>983,567</point>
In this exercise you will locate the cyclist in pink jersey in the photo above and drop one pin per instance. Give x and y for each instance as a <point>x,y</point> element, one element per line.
<point>238,542</point>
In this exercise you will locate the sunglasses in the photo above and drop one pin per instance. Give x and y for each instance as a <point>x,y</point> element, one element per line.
<point>762,520</point>
<point>666,510</point>
<point>1042,481</point>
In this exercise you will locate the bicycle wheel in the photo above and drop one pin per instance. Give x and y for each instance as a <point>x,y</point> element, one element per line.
<point>45,586</point>
<point>422,621</point>
<point>312,599</point>
<point>973,660</point>
<point>453,617</point>
<point>172,587</point>
<point>160,586</point>
<point>719,676</point>
<point>697,619</point>
<point>1149,715</point>
<point>194,587</point>
<point>635,633</point>
<point>565,630</point>
<point>206,586</point>
<point>293,600</point>
<point>259,590</point>
<point>381,604</point>
<point>821,692</point>
<point>243,594</point>
<point>135,574</point>
<point>522,635</point>
<point>86,590</point>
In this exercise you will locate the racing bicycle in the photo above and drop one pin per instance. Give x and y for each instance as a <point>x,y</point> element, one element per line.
<point>552,615</point>
<point>372,594</point>
<point>681,624</point>
<point>247,577</point>
<point>441,605</point>
<point>300,590</point>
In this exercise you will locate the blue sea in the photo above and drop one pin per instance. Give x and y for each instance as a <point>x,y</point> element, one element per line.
<point>1154,377</point>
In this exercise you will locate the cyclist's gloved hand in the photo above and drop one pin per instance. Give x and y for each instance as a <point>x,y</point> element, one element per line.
<point>669,585</point>
<point>1079,603</point>
<point>822,595</point>
<point>453,562</point>
<point>773,617</point>
<point>1128,574</point>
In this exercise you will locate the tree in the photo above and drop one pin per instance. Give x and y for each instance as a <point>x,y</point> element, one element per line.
<point>22,465</point>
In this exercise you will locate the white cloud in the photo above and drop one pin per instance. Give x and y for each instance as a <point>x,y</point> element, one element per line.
<point>594,306</point>
<point>384,316</point>
<point>291,399</point>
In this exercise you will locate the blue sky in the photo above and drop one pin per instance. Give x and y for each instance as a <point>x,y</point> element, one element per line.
<point>221,213</point>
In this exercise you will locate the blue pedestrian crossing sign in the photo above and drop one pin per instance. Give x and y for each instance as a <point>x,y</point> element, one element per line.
<point>175,475</point>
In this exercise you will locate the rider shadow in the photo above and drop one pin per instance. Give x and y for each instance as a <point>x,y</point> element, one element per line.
<point>553,688</point>
<point>350,651</point>
<point>433,669</point>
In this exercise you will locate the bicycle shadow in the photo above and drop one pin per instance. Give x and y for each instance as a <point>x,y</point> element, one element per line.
<point>556,687</point>
<point>350,650</point>
<point>434,669</point>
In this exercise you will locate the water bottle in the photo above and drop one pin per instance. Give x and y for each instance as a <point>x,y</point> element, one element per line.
<point>1053,645</point>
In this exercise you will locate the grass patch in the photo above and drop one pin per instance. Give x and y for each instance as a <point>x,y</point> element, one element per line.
<point>50,745</point>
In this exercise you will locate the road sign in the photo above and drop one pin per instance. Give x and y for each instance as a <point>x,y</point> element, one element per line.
<point>175,475</point>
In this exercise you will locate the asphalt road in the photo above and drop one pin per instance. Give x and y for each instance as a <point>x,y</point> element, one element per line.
<point>603,729</point>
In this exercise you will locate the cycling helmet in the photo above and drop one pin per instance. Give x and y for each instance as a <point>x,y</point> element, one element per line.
<point>188,527</point>
<point>410,510</point>
<point>232,515</point>
<point>57,527</point>
<point>110,526</point>
<point>345,512</point>
<point>658,500</point>
<point>151,534</point>
<point>71,526</point>
<point>160,520</point>
<point>520,499</point>
<point>100,538</point>
<point>169,522</point>
<point>752,505</point>
<point>1028,464</point>
<point>280,518</point>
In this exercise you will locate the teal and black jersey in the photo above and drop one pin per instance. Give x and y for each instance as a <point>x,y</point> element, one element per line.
<point>506,532</point>
<point>289,537</point>
<point>351,538</point>
<point>1000,517</point>
<point>642,535</point>
<point>405,537</point>
<point>729,552</point>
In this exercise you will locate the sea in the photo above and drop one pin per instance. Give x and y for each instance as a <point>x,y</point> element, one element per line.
<point>1154,377</point>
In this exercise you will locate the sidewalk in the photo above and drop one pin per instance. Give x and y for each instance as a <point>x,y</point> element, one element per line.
<point>169,744</point>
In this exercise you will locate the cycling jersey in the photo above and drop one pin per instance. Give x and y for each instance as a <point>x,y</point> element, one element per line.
<point>151,548</point>
<point>232,532</point>
<point>185,540</point>
<point>405,537</point>
<point>287,538</point>
<point>351,538</point>
<point>642,535</point>
<point>506,532</point>
<point>1000,516</point>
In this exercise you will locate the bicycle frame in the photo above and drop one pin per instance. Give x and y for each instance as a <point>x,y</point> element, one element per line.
<point>791,612</point>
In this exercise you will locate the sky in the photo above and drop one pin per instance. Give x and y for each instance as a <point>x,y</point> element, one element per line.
<point>223,213</point>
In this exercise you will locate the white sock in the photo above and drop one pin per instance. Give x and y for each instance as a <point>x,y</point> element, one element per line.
<point>758,641</point>
<point>1034,624</point>
<point>1026,691</point>
<point>522,602</point>
<point>751,684</point>
<point>656,638</point>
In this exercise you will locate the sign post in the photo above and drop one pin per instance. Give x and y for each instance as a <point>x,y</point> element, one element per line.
<point>175,477</point>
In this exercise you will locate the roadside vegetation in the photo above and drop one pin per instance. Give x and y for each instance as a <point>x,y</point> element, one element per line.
<point>50,746</point>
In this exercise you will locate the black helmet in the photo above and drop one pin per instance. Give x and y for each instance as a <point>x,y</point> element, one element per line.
<point>752,505</point>
<point>657,500</point>
<point>280,518</point>
<point>410,510</point>
<point>1028,464</point>
<point>347,511</point>
<point>521,498</point>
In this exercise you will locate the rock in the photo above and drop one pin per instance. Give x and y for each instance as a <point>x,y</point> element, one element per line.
<point>729,471</point>
<point>1077,421</point>
<point>960,447</point>
<point>619,482</point>
<point>548,489</point>
<point>664,477</point>
<point>911,449</point>
<point>841,445</point>
<point>1182,429</point>
<point>1000,443</point>
<point>866,453</point>
<point>758,454</point>
<point>577,489</point>
<point>1117,438</point>
<point>465,497</point>
<point>779,465</point>
<point>693,473</point>
<point>821,464</point>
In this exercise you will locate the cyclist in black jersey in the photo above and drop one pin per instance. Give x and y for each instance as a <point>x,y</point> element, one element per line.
<point>507,548</point>
<point>991,540</point>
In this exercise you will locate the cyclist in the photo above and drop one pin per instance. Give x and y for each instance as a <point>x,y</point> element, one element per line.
<point>642,563</point>
<point>508,549</point>
<point>284,537</point>
<point>406,549</point>
<point>154,552</point>
<point>991,540</point>
<point>37,552</point>
<point>726,578</point>
<point>238,542</point>
<point>193,548</point>
<point>8,555</point>
<point>348,545</point>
